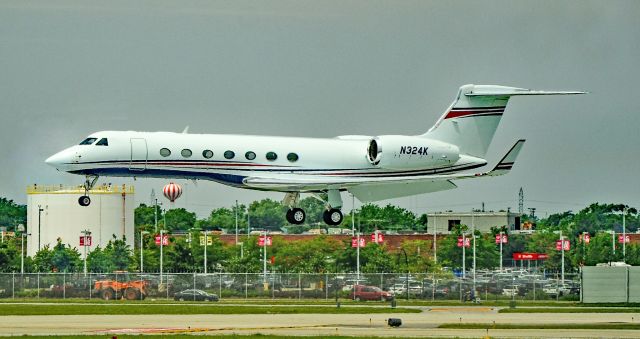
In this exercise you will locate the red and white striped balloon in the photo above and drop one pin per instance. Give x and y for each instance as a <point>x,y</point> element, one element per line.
<point>172,191</point>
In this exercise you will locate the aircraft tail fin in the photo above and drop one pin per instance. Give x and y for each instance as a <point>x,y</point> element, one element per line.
<point>472,119</point>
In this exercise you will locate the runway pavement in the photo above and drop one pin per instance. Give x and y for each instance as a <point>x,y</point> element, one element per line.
<point>414,324</point>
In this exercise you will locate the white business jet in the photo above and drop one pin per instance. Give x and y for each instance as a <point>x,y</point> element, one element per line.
<point>372,168</point>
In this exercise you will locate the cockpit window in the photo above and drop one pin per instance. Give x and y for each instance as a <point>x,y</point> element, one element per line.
<point>88,141</point>
<point>103,142</point>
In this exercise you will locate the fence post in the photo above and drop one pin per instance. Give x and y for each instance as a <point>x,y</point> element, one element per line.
<point>13,285</point>
<point>194,285</point>
<point>220,285</point>
<point>90,286</point>
<point>38,279</point>
<point>299,287</point>
<point>246,282</point>
<point>64,285</point>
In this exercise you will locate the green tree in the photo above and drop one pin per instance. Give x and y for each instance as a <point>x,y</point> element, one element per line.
<point>12,214</point>
<point>179,219</point>
<point>267,214</point>
<point>60,258</point>
<point>9,257</point>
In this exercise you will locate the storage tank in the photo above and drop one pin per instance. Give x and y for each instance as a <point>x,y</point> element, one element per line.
<point>53,212</point>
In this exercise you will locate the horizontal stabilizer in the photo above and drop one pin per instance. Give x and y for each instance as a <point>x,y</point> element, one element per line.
<point>508,160</point>
<point>490,90</point>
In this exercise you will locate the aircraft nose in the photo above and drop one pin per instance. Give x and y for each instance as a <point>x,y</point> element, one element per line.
<point>58,160</point>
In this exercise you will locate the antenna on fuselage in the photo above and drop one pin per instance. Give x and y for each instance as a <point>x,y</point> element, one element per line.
<point>186,130</point>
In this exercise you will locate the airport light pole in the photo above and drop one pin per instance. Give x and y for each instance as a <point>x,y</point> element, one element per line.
<point>435,249</point>
<point>85,233</point>
<point>562,244</point>
<point>501,235</point>
<point>142,233</point>
<point>236,222</point>
<point>624,235</point>
<point>22,236</point>
<point>155,215</point>
<point>473,233</point>
<point>161,245</point>
<point>464,259</point>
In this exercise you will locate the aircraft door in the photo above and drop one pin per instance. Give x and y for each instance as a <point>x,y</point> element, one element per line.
<point>138,154</point>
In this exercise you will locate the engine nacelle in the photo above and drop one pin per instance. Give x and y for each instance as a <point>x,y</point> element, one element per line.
<point>399,152</point>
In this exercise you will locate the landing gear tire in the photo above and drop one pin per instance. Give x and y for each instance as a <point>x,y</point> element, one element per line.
<point>296,216</point>
<point>332,217</point>
<point>84,200</point>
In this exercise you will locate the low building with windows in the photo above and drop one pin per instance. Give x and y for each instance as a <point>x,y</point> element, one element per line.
<point>53,213</point>
<point>444,222</point>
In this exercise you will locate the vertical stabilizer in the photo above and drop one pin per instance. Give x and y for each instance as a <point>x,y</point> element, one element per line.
<point>471,121</point>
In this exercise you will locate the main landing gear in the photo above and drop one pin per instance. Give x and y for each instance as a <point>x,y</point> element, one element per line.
<point>332,215</point>
<point>88,185</point>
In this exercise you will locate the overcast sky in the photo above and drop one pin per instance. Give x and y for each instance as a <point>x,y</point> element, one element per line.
<point>327,68</point>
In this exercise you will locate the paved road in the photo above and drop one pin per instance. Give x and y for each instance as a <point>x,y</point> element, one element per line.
<point>414,325</point>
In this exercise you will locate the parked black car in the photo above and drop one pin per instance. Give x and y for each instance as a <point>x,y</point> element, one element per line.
<point>197,295</point>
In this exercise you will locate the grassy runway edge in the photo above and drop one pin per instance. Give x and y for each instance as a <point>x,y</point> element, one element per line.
<point>592,326</point>
<point>116,309</point>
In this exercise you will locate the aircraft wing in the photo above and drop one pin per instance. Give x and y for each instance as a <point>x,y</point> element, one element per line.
<point>379,188</point>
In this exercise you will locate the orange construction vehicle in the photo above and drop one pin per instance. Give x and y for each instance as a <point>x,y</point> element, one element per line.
<point>131,290</point>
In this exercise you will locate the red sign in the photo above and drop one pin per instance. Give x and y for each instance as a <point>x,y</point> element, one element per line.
<point>354,242</point>
<point>165,240</point>
<point>559,247</point>
<point>82,240</point>
<point>377,237</point>
<point>261,240</point>
<point>624,238</point>
<point>467,242</point>
<point>505,239</point>
<point>529,256</point>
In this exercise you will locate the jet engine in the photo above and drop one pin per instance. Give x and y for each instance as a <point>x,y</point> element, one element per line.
<point>398,152</point>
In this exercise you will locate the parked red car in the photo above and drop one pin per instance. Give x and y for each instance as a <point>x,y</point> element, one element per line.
<point>363,292</point>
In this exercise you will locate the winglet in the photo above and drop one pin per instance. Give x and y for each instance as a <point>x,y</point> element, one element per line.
<point>505,165</point>
<point>185,130</point>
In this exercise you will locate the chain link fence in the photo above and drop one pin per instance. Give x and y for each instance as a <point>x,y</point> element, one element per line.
<point>378,286</point>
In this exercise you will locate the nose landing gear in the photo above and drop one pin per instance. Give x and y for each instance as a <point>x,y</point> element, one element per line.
<point>88,185</point>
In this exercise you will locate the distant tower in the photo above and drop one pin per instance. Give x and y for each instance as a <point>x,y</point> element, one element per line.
<point>521,201</point>
<point>152,198</point>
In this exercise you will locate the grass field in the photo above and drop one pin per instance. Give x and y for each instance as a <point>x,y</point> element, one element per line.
<point>571,310</point>
<point>597,326</point>
<point>189,336</point>
<point>53,309</point>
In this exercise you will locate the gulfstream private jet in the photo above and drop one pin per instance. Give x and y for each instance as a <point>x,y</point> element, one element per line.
<point>372,168</point>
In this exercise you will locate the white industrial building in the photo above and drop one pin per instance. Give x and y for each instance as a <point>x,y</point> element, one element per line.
<point>53,212</point>
<point>483,221</point>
